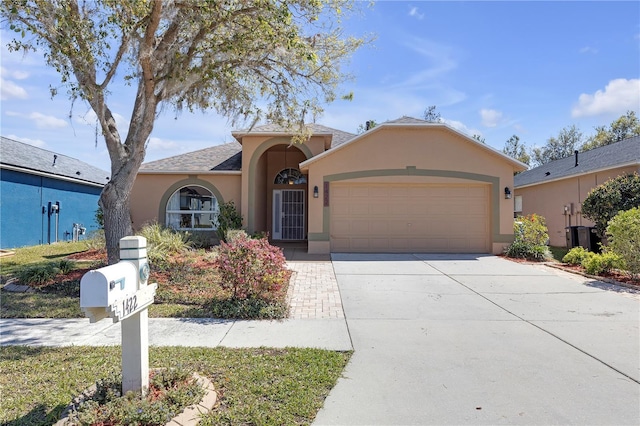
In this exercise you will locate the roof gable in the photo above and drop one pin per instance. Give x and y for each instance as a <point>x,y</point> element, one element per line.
<point>410,122</point>
<point>31,159</point>
<point>337,137</point>
<point>619,154</point>
<point>220,158</point>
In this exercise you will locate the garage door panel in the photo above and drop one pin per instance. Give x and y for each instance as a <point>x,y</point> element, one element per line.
<point>420,218</point>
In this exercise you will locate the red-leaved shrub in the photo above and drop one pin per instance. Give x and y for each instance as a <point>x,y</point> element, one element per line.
<point>252,268</point>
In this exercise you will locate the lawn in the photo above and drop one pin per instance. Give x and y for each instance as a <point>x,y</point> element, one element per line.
<point>254,386</point>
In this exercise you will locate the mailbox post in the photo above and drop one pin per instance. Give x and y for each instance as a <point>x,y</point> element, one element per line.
<point>121,292</point>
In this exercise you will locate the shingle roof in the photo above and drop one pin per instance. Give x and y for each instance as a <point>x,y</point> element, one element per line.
<point>37,160</point>
<point>226,157</point>
<point>607,157</point>
<point>407,120</point>
<point>338,136</point>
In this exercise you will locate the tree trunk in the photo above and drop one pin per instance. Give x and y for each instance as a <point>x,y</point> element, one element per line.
<point>116,205</point>
<point>117,221</point>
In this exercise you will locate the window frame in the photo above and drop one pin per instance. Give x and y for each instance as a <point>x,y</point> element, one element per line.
<point>186,210</point>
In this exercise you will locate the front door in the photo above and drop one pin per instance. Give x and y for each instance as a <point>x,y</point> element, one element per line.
<point>288,214</point>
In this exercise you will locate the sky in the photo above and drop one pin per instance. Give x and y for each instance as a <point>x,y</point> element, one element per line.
<point>493,69</point>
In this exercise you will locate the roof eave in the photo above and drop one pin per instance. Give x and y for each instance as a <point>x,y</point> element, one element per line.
<point>602,169</point>
<point>51,175</point>
<point>189,172</point>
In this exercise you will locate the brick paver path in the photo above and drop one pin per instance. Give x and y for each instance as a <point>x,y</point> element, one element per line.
<point>313,291</point>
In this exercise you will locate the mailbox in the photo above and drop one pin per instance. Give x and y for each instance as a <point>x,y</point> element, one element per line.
<point>103,287</point>
<point>121,292</point>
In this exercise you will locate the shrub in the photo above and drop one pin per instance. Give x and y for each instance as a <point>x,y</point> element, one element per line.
<point>615,195</point>
<point>531,229</point>
<point>524,250</point>
<point>199,240</point>
<point>66,265</point>
<point>233,234</point>
<point>40,274</point>
<point>228,218</point>
<point>531,239</point>
<point>170,392</point>
<point>162,242</point>
<point>596,264</point>
<point>575,256</point>
<point>623,233</point>
<point>251,268</point>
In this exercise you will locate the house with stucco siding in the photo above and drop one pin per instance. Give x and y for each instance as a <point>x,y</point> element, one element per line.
<point>406,185</point>
<point>557,189</point>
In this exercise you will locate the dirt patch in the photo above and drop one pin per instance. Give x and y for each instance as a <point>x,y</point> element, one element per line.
<point>90,255</point>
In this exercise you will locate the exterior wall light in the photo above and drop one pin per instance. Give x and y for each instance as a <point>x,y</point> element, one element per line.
<point>507,193</point>
<point>315,191</point>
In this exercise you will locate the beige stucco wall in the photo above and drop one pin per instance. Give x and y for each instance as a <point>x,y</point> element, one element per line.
<point>150,189</point>
<point>261,156</point>
<point>437,155</point>
<point>549,199</point>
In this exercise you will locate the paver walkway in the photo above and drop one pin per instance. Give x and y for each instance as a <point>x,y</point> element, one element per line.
<point>313,291</point>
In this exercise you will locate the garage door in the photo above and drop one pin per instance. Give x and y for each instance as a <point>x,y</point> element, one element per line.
<point>409,218</point>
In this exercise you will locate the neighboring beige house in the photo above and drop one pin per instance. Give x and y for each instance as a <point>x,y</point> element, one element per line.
<point>556,190</point>
<point>404,186</point>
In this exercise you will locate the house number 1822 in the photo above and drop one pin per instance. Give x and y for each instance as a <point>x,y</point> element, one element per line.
<point>129,305</point>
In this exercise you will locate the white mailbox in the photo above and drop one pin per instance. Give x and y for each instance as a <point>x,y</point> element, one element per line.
<point>102,287</point>
<point>121,292</point>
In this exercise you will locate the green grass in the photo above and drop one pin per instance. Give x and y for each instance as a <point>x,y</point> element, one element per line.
<point>255,386</point>
<point>558,252</point>
<point>39,305</point>
<point>38,255</point>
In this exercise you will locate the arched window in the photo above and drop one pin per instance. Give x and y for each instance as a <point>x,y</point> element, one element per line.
<point>290,177</point>
<point>192,208</point>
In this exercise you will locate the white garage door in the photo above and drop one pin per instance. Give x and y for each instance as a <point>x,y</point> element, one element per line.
<point>409,218</point>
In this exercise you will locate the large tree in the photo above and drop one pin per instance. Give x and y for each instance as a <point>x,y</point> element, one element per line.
<point>515,149</point>
<point>625,126</point>
<point>249,60</point>
<point>568,139</point>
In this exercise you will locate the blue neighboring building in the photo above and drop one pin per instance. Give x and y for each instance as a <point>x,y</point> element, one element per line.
<point>44,196</point>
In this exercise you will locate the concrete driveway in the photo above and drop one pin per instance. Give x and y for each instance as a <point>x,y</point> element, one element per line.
<point>463,339</point>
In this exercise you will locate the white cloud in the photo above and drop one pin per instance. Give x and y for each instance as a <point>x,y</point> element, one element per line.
<point>47,121</point>
<point>42,121</point>
<point>415,13</point>
<point>617,97</point>
<point>157,144</point>
<point>458,125</point>
<point>439,59</point>
<point>490,117</point>
<point>589,49</point>
<point>35,142</point>
<point>10,90</point>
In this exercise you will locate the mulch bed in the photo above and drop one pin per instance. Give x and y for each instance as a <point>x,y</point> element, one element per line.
<point>616,277</point>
